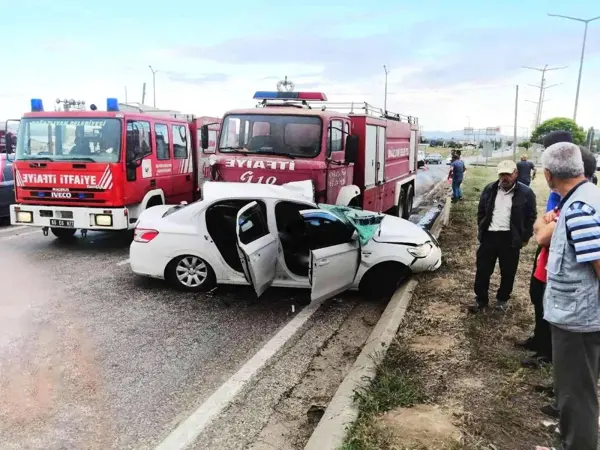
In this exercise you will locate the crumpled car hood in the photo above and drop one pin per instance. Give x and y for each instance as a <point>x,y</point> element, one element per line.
<point>395,230</point>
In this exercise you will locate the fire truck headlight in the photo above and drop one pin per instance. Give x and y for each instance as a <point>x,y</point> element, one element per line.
<point>103,220</point>
<point>25,217</point>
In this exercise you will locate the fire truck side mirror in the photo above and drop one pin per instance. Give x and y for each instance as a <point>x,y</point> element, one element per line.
<point>351,149</point>
<point>10,141</point>
<point>204,137</point>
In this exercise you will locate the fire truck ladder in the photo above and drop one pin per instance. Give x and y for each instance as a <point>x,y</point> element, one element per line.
<point>356,108</point>
<point>145,109</point>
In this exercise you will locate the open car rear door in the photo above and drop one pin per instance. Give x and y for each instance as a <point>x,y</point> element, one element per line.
<point>258,249</point>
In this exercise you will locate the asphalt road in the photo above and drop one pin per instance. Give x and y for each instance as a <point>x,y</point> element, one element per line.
<point>94,357</point>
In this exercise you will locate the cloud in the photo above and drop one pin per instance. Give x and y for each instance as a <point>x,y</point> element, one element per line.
<point>179,77</point>
<point>426,56</point>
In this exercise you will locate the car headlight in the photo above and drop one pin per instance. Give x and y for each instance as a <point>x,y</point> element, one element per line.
<point>420,251</point>
<point>25,217</point>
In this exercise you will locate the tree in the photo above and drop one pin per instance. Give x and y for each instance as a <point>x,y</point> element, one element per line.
<point>559,124</point>
<point>525,145</point>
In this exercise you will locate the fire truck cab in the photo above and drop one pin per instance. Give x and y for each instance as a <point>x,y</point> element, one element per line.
<point>98,170</point>
<point>364,156</point>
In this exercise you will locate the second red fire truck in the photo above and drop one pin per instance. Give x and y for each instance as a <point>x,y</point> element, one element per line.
<point>98,170</point>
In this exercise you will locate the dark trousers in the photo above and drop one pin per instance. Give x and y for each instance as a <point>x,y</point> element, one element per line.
<point>496,246</point>
<point>576,360</point>
<point>541,332</point>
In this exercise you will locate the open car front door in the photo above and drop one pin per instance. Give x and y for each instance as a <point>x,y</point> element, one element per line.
<point>257,248</point>
<point>332,269</point>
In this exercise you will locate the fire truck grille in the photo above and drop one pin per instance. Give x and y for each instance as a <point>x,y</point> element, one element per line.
<point>62,196</point>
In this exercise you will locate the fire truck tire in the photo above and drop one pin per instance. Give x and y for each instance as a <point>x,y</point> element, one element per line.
<point>383,280</point>
<point>63,233</point>
<point>409,196</point>
<point>202,277</point>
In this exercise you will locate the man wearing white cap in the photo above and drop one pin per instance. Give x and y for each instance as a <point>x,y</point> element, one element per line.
<point>505,219</point>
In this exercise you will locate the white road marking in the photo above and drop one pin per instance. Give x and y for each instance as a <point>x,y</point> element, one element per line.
<point>13,236</point>
<point>187,431</point>
<point>11,228</point>
<point>122,263</point>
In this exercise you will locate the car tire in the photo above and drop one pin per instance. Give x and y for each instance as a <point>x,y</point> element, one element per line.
<point>63,234</point>
<point>190,273</point>
<point>383,280</point>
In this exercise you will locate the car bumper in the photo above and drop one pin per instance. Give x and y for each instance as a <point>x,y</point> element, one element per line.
<point>82,218</point>
<point>146,261</point>
<point>430,263</point>
<point>7,198</point>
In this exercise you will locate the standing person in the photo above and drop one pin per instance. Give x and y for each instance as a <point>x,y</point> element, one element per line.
<point>572,297</point>
<point>541,342</point>
<point>456,174</point>
<point>525,168</point>
<point>505,217</point>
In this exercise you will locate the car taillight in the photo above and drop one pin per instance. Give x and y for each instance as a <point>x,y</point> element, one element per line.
<point>144,235</point>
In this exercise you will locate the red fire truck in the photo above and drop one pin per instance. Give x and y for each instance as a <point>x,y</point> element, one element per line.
<point>98,170</point>
<point>364,156</point>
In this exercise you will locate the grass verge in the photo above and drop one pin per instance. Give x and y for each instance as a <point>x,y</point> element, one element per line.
<point>453,371</point>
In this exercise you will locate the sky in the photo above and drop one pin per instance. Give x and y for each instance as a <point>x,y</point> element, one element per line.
<point>451,63</point>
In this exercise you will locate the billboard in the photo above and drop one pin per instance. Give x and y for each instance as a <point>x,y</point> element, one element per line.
<point>468,131</point>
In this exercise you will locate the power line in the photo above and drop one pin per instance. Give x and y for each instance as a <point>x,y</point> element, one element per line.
<point>542,88</point>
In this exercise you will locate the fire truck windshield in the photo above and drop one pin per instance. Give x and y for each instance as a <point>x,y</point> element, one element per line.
<point>288,135</point>
<point>69,139</point>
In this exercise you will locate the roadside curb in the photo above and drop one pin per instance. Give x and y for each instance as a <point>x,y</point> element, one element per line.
<point>431,193</point>
<point>341,412</point>
<point>442,219</point>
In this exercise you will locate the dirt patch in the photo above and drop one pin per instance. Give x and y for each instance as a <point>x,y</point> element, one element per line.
<point>432,344</point>
<point>422,425</point>
<point>466,365</point>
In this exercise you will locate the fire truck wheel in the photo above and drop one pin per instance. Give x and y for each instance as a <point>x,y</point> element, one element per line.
<point>383,280</point>
<point>63,233</point>
<point>408,202</point>
<point>190,273</point>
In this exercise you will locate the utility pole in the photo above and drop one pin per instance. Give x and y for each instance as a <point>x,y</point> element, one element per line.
<point>586,21</point>
<point>385,69</point>
<point>153,84</point>
<point>143,93</point>
<point>515,130</point>
<point>125,94</point>
<point>542,87</point>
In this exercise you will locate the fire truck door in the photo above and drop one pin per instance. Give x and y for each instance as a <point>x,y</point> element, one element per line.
<point>163,169</point>
<point>370,155</point>
<point>380,155</point>
<point>183,168</point>
<point>413,150</point>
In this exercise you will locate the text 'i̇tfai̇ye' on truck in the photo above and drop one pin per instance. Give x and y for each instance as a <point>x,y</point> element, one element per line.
<point>362,157</point>
<point>98,170</point>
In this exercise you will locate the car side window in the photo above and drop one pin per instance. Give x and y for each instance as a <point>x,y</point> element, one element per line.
<point>325,230</point>
<point>252,225</point>
<point>334,137</point>
<point>161,133</point>
<point>180,142</point>
<point>138,139</point>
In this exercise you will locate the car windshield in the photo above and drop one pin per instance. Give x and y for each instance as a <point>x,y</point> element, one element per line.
<point>69,139</point>
<point>366,223</point>
<point>291,135</point>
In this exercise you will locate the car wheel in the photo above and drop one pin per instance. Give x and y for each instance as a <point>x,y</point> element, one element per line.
<point>382,280</point>
<point>191,273</point>
<point>63,233</point>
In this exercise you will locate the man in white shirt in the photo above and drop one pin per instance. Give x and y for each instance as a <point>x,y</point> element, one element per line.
<point>505,219</point>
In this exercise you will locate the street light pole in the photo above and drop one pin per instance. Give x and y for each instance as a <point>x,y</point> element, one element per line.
<point>153,84</point>
<point>586,22</point>
<point>385,95</point>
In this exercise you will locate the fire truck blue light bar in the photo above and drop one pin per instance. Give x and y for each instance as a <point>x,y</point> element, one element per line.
<point>37,105</point>
<point>274,95</point>
<point>112,104</point>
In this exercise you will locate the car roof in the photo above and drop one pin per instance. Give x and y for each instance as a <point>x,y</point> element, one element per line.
<point>302,191</point>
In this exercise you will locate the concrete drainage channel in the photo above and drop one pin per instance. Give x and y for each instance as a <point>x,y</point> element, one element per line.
<point>341,412</point>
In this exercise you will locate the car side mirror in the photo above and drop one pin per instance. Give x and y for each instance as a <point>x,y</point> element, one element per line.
<point>204,137</point>
<point>351,149</point>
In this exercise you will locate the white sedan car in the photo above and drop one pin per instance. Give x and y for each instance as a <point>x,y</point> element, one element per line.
<point>267,235</point>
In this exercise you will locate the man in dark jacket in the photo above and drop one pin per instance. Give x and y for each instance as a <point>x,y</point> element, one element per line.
<point>506,214</point>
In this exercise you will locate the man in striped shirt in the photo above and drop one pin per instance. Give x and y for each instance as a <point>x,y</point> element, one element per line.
<point>572,296</point>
